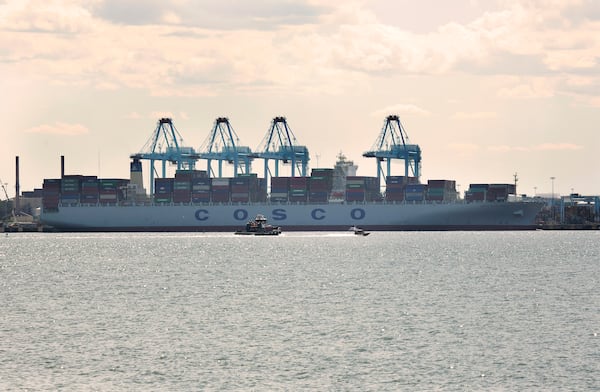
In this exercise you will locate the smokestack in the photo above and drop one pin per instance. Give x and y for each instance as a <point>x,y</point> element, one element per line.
<point>62,166</point>
<point>17,186</point>
<point>135,176</point>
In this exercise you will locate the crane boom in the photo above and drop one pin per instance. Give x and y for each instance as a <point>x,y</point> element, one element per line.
<point>222,145</point>
<point>280,144</point>
<point>392,143</point>
<point>165,145</point>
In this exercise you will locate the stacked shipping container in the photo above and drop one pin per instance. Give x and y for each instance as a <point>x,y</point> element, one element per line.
<point>360,188</point>
<point>183,184</point>
<point>70,188</point>
<point>441,190</point>
<point>489,192</point>
<point>200,190</point>
<point>51,194</point>
<point>110,190</point>
<point>90,190</point>
<point>476,192</point>
<point>394,188</point>
<point>220,191</point>
<point>320,185</point>
<point>500,192</point>
<point>163,190</point>
<point>298,189</point>
<point>195,186</point>
<point>244,188</point>
<point>279,189</point>
<point>415,192</point>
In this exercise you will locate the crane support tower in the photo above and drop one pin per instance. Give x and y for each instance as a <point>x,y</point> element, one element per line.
<point>222,146</point>
<point>393,143</point>
<point>165,145</point>
<point>279,144</point>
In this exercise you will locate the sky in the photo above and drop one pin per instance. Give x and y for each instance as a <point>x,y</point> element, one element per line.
<point>487,89</point>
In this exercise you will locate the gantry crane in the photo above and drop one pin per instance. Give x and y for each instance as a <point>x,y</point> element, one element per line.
<point>279,144</point>
<point>165,145</point>
<point>393,143</point>
<point>12,209</point>
<point>222,146</point>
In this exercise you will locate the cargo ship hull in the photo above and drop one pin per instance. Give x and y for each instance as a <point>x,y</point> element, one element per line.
<point>380,216</point>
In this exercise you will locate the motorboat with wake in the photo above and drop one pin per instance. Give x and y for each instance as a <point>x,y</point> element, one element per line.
<point>359,231</point>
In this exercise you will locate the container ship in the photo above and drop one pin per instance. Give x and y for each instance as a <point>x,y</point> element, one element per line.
<point>327,199</point>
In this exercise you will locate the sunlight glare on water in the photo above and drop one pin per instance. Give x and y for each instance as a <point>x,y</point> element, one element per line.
<point>316,311</point>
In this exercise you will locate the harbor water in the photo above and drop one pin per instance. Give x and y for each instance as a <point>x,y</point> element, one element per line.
<point>394,311</point>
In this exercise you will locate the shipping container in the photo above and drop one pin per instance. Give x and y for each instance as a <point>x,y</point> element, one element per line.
<point>318,196</point>
<point>415,192</point>
<point>190,174</point>
<point>89,198</point>
<point>474,196</point>
<point>482,187</point>
<point>298,182</point>
<point>182,196</point>
<point>394,196</point>
<point>298,195</point>
<point>240,197</point>
<point>220,182</point>
<point>182,185</point>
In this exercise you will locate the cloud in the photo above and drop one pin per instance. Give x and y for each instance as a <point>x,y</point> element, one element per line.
<point>133,116</point>
<point>204,48</point>
<point>59,128</point>
<point>557,147</point>
<point>44,16</point>
<point>529,88</point>
<point>474,115</point>
<point>162,114</point>
<point>401,109</point>
<point>208,14</point>
<point>539,147</point>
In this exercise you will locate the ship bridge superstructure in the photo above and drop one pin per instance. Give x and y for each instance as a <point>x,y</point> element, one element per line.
<point>222,145</point>
<point>280,145</point>
<point>393,143</point>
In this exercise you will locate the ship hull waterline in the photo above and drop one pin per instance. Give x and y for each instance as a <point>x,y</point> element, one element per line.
<point>296,217</point>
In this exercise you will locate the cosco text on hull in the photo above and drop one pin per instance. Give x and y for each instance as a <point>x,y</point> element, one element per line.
<point>280,214</point>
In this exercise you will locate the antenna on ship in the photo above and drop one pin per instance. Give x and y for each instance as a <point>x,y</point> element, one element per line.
<point>280,144</point>
<point>393,143</point>
<point>165,145</point>
<point>222,146</point>
<point>516,179</point>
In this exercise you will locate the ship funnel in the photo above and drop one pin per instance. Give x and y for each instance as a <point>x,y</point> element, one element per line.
<point>136,179</point>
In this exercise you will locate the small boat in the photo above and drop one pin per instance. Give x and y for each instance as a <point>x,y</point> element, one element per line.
<point>259,226</point>
<point>359,231</point>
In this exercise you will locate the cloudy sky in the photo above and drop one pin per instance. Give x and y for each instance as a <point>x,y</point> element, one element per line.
<point>486,88</point>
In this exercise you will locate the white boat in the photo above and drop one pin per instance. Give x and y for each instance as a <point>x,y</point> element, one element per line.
<point>359,231</point>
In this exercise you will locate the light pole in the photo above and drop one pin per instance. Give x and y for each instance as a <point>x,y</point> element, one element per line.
<point>552,204</point>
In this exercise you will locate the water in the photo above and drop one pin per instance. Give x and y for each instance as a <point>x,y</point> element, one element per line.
<point>303,311</point>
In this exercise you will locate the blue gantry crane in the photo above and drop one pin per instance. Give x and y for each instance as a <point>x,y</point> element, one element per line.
<point>222,146</point>
<point>165,145</point>
<point>393,143</point>
<point>279,144</point>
